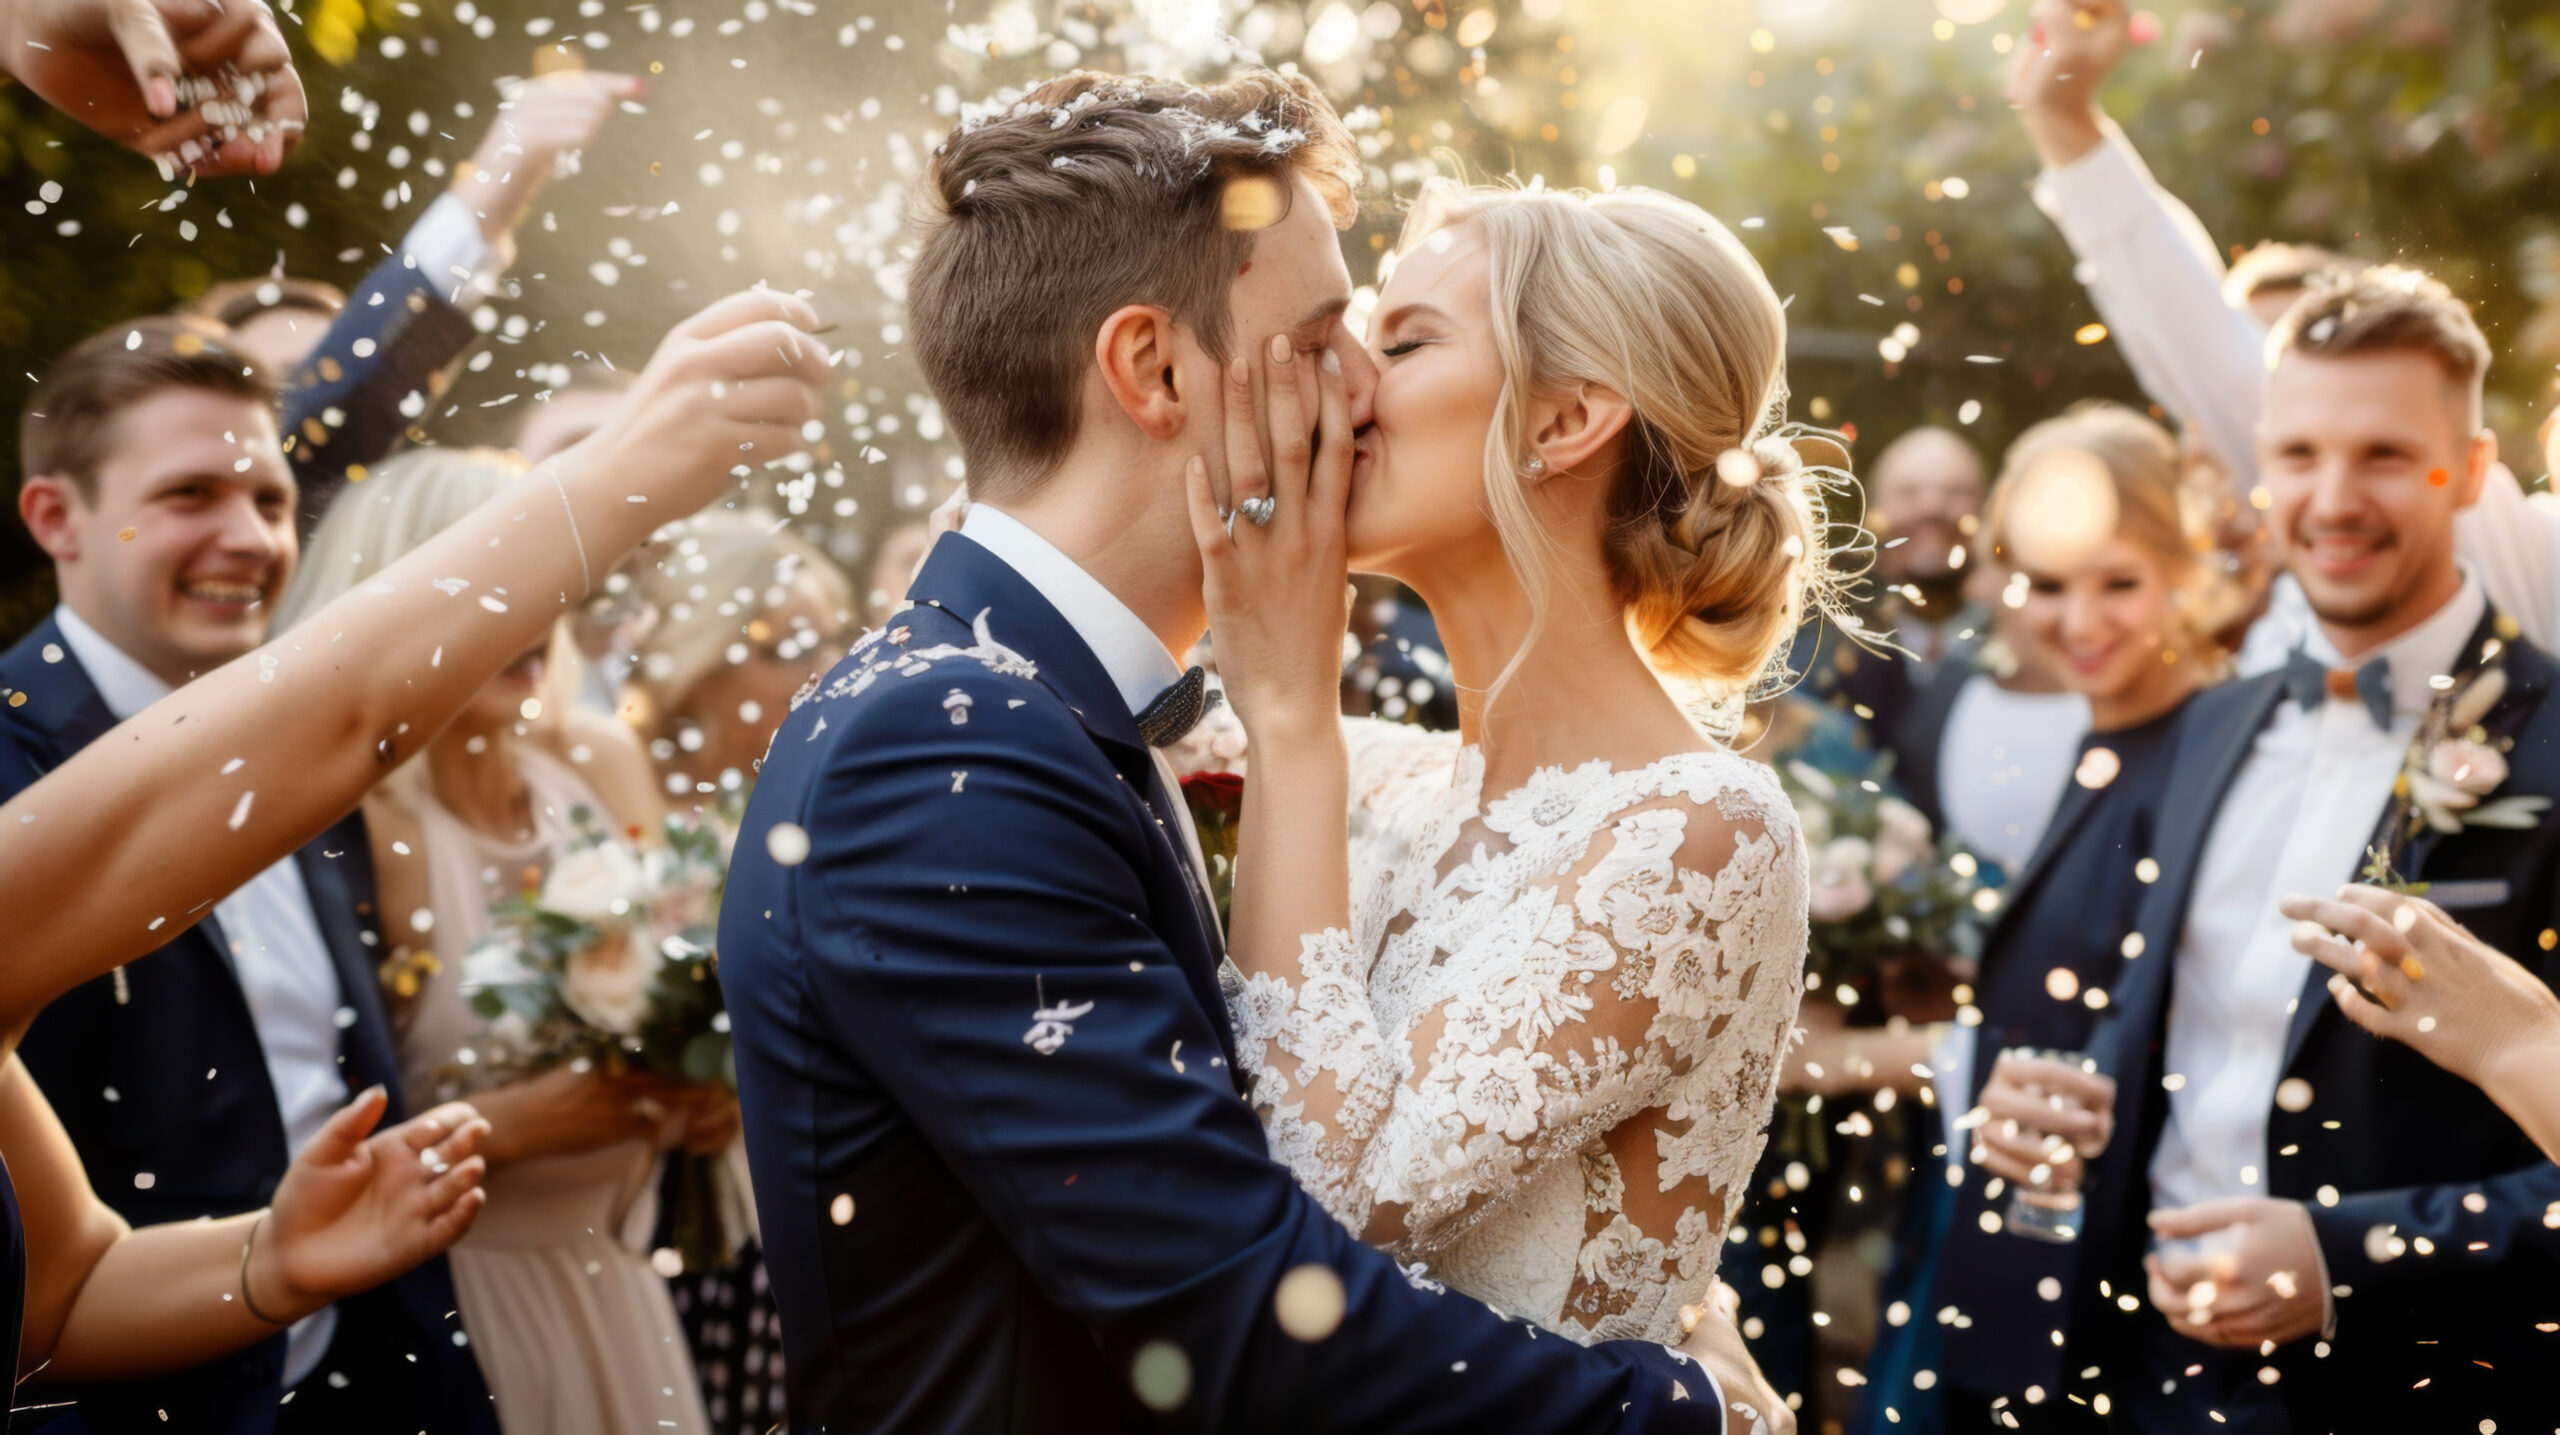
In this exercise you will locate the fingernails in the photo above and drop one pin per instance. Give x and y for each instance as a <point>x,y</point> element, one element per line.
<point>1279,348</point>
<point>163,98</point>
<point>1197,468</point>
<point>1239,370</point>
<point>1333,363</point>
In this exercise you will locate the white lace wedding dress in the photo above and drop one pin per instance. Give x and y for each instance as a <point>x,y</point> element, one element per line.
<point>1540,1066</point>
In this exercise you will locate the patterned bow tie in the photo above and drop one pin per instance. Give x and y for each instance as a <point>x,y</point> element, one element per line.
<point>1178,709</point>
<point>2309,682</point>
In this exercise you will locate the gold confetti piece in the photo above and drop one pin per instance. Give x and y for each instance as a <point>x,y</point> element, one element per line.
<point>2089,334</point>
<point>124,535</point>
<point>2098,767</point>
<point>1251,203</point>
<point>2062,984</point>
<point>17,700</point>
<point>840,1210</point>
<point>2294,1094</point>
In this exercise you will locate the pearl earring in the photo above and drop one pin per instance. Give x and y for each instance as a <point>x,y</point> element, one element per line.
<point>1537,467</point>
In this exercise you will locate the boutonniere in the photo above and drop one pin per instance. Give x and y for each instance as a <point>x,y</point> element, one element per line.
<point>1216,800</point>
<point>2455,768</point>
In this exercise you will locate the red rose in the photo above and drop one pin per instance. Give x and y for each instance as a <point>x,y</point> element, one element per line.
<point>1215,793</point>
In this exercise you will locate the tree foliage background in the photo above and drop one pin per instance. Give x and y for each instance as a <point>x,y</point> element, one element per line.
<point>1859,146</point>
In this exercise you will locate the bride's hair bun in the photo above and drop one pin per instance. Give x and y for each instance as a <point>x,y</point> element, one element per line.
<point>1717,535</point>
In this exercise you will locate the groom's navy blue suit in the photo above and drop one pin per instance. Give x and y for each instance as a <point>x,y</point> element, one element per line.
<point>999,1152</point>
<point>2447,1334</point>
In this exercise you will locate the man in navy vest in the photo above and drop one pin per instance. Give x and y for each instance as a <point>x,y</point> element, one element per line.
<point>156,481</point>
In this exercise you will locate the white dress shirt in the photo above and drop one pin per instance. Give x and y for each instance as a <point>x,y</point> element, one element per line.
<point>2154,274</point>
<point>1130,652</point>
<point>2002,764</point>
<point>447,246</point>
<point>281,960</point>
<point>2296,819</point>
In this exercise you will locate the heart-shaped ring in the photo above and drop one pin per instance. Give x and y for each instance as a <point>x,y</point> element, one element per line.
<point>1258,511</point>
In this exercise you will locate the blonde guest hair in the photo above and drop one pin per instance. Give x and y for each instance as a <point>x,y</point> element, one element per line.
<point>2156,508</point>
<point>407,499</point>
<point>720,573</point>
<point>1717,539</point>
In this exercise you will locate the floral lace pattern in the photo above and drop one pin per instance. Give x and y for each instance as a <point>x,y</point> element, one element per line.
<point>1540,1064</point>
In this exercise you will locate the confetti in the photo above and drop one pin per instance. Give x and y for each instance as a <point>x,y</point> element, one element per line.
<point>787,843</point>
<point>1309,1303</point>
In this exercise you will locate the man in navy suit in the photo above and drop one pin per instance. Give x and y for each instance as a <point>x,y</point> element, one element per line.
<point>2349,1238</point>
<point>156,482</point>
<point>1006,1179</point>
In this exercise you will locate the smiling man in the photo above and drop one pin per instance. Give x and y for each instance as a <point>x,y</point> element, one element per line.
<point>2298,1227</point>
<point>157,483</point>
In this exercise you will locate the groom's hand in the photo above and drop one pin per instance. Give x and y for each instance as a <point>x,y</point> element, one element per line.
<point>2268,1286</point>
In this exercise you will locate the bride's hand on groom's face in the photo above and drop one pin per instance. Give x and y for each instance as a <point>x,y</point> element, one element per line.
<point>1277,591</point>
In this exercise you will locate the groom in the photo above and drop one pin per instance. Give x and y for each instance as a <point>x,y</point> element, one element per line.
<point>2378,1245</point>
<point>1006,1179</point>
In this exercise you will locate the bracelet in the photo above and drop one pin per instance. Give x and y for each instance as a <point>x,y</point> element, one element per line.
<point>245,1298</point>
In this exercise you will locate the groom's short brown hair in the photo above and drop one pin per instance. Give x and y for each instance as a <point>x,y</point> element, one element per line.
<point>1094,192</point>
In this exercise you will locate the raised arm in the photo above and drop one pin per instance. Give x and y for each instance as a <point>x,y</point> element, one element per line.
<point>942,931</point>
<point>2151,269</point>
<point>173,809</point>
<point>377,367</point>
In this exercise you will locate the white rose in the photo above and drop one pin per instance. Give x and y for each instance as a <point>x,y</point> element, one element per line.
<point>2467,766</point>
<point>1903,838</point>
<point>1841,885</point>
<point>607,984</point>
<point>587,883</point>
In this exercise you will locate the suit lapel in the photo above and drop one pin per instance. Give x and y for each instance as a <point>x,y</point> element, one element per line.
<point>968,583</point>
<point>329,879</point>
<point>63,712</point>
<point>2528,679</point>
<point>2203,766</point>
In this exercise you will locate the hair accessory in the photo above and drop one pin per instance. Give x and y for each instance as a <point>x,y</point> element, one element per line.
<point>1537,466</point>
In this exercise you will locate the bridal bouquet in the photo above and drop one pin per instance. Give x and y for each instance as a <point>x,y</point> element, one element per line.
<point>607,957</point>
<point>1886,888</point>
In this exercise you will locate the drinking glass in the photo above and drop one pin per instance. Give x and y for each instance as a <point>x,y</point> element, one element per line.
<point>2050,1211</point>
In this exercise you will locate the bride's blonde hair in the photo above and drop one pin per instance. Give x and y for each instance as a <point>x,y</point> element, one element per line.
<point>1717,537</point>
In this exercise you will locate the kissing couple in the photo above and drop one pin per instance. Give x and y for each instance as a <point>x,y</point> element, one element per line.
<point>1444,1131</point>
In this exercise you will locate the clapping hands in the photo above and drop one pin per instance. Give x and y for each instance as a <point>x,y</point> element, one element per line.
<point>125,67</point>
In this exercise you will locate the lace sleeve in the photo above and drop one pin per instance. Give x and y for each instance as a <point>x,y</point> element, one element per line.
<point>1621,1002</point>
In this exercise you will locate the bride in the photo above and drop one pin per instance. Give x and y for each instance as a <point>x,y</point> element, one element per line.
<point>1524,1033</point>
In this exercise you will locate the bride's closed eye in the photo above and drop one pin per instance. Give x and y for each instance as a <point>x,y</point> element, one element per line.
<point>1398,351</point>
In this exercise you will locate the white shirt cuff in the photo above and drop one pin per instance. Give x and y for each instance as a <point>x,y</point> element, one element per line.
<point>446,246</point>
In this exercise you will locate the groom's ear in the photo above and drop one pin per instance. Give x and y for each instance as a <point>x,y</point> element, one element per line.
<point>1138,356</point>
<point>1569,430</point>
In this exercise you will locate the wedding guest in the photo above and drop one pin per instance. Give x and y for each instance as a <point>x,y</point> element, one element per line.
<point>574,1329</point>
<point>2425,980</point>
<point>115,66</point>
<point>358,372</point>
<point>1989,739</point>
<point>1924,499</point>
<point>2367,1220</point>
<point>2197,344</point>
<point>113,830</point>
<point>2089,513</point>
<point>188,1078</point>
<point>745,614</point>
